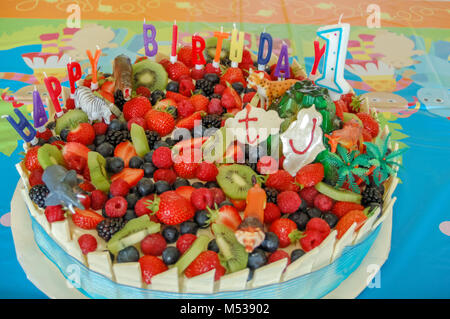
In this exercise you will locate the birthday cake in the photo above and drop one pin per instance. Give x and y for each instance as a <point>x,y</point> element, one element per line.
<point>213,172</point>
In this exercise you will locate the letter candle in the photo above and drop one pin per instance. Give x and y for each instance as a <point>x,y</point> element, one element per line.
<point>73,77</point>
<point>236,47</point>
<point>150,40</point>
<point>173,56</point>
<point>262,61</point>
<point>94,63</point>
<point>220,37</point>
<point>39,115</point>
<point>21,127</point>
<point>54,90</point>
<point>197,51</point>
<point>282,68</point>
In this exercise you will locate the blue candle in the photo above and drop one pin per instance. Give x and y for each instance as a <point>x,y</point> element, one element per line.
<point>39,115</point>
<point>262,61</point>
<point>283,63</point>
<point>21,126</point>
<point>150,40</point>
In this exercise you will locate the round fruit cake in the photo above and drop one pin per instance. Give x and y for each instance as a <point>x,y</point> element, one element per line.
<point>196,185</point>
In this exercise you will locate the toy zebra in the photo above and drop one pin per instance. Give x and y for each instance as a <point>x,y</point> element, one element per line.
<point>95,107</point>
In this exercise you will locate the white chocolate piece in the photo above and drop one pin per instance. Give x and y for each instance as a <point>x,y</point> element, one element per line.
<point>203,284</point>
<point>345,240</point>
<point>387,210</point>
<point>366,227</point>
<point>100,261</point>
<point>234,281</point>
<point>73,249</point>
<point>128,274</point>
<point>61,231</point>
<point>301,266</point>
<point>167,281</point>
<point>326,249</point>
<point>269,274</point>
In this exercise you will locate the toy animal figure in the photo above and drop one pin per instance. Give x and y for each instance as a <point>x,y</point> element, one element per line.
<point>350,136</point>
<point>122,75</point>
<point>95,107</point>
<point>266,89</point>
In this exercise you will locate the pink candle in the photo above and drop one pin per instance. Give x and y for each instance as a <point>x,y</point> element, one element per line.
<point>173,56</point>
<point>54,90</point>
<point>74,73</point>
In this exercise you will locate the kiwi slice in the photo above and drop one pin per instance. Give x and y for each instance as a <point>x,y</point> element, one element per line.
<point>49,155</point>
<point>70,120</point>
<point>149,74</point>
<point>231,253</point>
<point>235,180</point>
<point>139,139</point>
<point>210,48</point>
<point>349,116</point>
<point>132,233</point>
<point>199,246</point>
<point>341,195</point>
<point>97,171</point>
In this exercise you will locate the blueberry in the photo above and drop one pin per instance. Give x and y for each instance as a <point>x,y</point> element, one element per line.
<point>134,190</point>
<point>130,214</point>
<point>303,206</point>
<point>149,169</point>
<point>238,86</point>
<point>212,245</point>
<point>300,218</point>
<point>105,149</point>
<point>330,218</point>
<point>132,199</point>
<point>145,186</point>
<point>159,144</point>
<point>181,182</point>
<point>99,139</point>
<point>248,89</point>
<point>161,187</point>
<point>296,254</point>
<point>270,243</point>
<point>201,218</point>
<point>188,227</point>
<point>173,86</point>
<point>148,157</point>
<point>136,162</point>
<point>212,77</point>
<point>170,255</point>
<point>256,259</point>
<point>170,141</point>
<point>115,125</point>
<point>63,134</point>
<point>54,138</point>
<point>91,147</point>
<point>313,212</point>
<point>170,234</point>
<point>156,96</point>
<point>212,185</point>
<point>127,255</point>
<point>198,185</point>
<point>114,164</point>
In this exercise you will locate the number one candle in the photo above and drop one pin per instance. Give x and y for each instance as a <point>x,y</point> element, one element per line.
<point>150,39</point>
<point>336,38</point>
<point>54,90</point>
<point>39,115</point>
<point>198,45</point>
<point>282,69</point>
<point>74,73</point>
<point>236,47</point>
<point>220,37</point>
<point>22,126</point>
<point>94,63</point>
<point>173,55</point>
<point>263,60</point>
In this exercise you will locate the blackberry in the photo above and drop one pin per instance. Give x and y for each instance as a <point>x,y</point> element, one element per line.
<point>109,226</point>
<point>371,194</point>
<point>116,137</point>
<point>211,120</point>
<point>152,138</point>
<point>206,86</point>
<point>271,194</point>
<point>38,193</point>
<point>119,100</point>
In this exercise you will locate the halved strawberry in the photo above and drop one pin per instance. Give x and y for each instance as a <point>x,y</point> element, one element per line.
<point>130,175</point>
<point>185,191</point>
<point>190,121</point>
<point>84,133</point>
<point>240,204</point>
<point>86,219</point>
<point>125,151</point>
<point>177,97</point>
<point>226,215</point>
<point>31,160</point>
<point>108,86</point>
<point>237,98</point>
<point>74,149</point>
<point>162,104</point>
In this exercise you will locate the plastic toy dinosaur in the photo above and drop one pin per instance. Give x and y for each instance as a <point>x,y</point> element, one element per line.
<point>350,137</point>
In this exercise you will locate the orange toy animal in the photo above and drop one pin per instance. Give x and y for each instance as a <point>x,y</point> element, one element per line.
<point>350,137</point>
<point>266,89</point>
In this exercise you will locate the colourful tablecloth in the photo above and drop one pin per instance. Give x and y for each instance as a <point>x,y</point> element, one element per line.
<point>402,66</point>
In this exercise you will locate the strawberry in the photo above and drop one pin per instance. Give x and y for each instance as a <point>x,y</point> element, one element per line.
<point>73,148</point>
<point>106,95</point>
<point>240,204</point>
<point>197,74</point>
<point>136,107</point>
<point>200,102</point>
<point>160,122</point>
<point>209,68</point>
<point>172,208</point>
<point>237,98</point>
<point>35,177</point>
<point>186,87</point>
<point>248,97</point>
<point>190,121</point>
<point>346,221</point>
<point>184,167</point>
<point>151,266</point>
<point>340,107</point>
<point>227,101</point>
<point>233,75</point>
<point>144,91</point>
<point>165,63</point>
<point>108,86</point>
<point>201,198</point>
<point>165,174</point>
<point>342,208</point>
<point>369,123</point>
<point>267,165</point>
<point>130,175</point>
<point>206,172</point>
<point>153,244</point>
<point>31,160</point>
<point>310,175</point>
<point>87,186</point>
<point>84,134</point>
<point>177,97</point>
<point>86,219</point>
<point>140,58</point>
<point>311,239</point>
<point>100,128</point>
<point>54,213</point>
<point>219,88</point>
<point>286,230</point>
<point>320,225</point>
<point>226,215</point>
<point>185,55</point>
<point>205,262</point>
<point>367,136</point>
<point>176,70</point>
<point>98,199</point>
<point>288,202</point>
<point>86,201</point>
<point>185,191</point>
<point>185,242</point>
<point>271,213</point>
<point>76,163</point>
<point>141,205</point>
<point>137,120</point>
<point>87,243</point>
<point>59,144</point>
<point>278,255</point>
<point>125,151</point>
<point>282,181</point>
<point>44,135</point>
<point>70,104</point>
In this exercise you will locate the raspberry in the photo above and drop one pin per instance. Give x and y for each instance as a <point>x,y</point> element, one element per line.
<point>153,244</point>
<point>342,208</point>
<point>201,198</point>
<point>186,87</point>
<point>219,88</point>
<point>311,239</point>
<point>54,213</point>
<point>215,107</point>
<point>142,90</point>
<point>218,194</point>
<point>308,194</point>
<point>271,213</point>
<point>35,177</point>
<point>165,174</point>
<point>277,255</point>
<point>323,202</point>
<point>119,187</point>
<point>87,243</point>
<point>116,206</point>
<point>98,199</point>
<point>162,157</point>
<point>185,108</point>
<point>320,225</point>
<point>141,206</point>
<point>288,202</point>
<point>100,128</point>
<point>267,165</point>
<point>185,242</point>
<point>206,172</point>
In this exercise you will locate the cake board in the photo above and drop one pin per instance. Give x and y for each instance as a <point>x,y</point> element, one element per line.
<point>47,277</point>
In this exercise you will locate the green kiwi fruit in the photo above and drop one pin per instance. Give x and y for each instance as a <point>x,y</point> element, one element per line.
<point>97,171</point>
<point>231,253</point>
<point>70,120</point>
<point>132,233</point>
<point>235,180</point>
<point>139,139</point>
<point>49,155</point>
<point>210,48</point>
<point>350,116</point>
<point>149,74</point>
<point>199,246</point>
<point>341,195</point>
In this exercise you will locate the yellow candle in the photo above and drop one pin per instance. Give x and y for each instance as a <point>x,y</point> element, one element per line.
<point>236,46</point>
